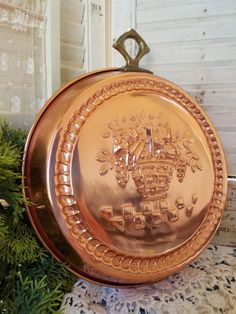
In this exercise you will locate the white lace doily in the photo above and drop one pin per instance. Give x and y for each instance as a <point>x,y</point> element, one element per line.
<point>206,286</point>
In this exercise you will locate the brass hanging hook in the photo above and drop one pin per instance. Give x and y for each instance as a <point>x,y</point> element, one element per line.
<point>132,64</point>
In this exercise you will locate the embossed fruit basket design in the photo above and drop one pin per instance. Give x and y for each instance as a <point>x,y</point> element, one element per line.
<point>146,149</point>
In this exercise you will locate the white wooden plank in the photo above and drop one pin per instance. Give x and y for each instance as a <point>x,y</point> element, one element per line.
<point>181,64</point>
<point>71,39</point>
<point>208,86</point>
<point>72,32</point>
<point>228,141</point>
<point>221,97</point>
<point>187,53</point>
<point>74,9</point>
<point>218,27</point>
<point>231,163</point>
<point>190,10</point>
<point>154,4</point>
<point>72,53</point>
<point>198,74</point>
<point>68,72</point>
<point>96,34</point>
<point>184,22</point>
<point>123,18</point>
<point>52,47</point>
<point>221,108</point>
<point>223,120</point>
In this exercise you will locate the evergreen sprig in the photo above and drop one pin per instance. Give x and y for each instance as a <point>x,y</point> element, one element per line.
<point>31,281</point>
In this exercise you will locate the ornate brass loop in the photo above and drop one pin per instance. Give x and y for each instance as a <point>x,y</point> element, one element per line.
<point>132,64</point>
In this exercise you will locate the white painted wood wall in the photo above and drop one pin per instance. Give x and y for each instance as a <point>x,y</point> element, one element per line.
<point>72,50</point>
<point>84,35</point>
<point>78,39</point>
<point>193,44</point>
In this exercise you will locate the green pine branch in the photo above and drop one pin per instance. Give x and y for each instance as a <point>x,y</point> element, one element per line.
<point>33,297</point>
<point>31,281</point>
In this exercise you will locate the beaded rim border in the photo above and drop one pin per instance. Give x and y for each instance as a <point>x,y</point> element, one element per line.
<point>71,211</point>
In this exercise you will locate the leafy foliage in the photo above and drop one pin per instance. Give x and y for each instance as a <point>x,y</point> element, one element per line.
<point>31,282</point>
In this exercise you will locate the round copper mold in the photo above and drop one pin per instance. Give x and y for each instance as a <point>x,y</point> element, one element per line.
<point>126,177</point>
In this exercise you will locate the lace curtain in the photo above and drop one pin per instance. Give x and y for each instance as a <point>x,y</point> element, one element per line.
<point>22,60</point>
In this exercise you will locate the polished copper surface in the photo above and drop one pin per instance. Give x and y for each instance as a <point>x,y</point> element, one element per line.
<point>126,177</point>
